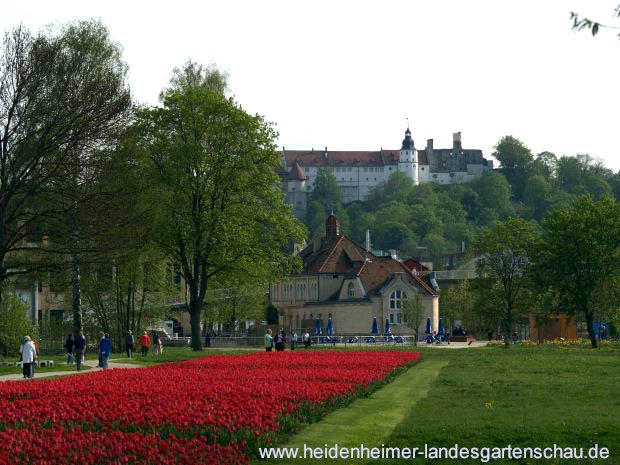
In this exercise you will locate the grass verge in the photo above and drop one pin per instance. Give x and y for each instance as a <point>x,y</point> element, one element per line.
<point>369,420</point>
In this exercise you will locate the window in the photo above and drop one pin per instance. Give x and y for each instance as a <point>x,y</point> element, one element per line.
<point>351,290</point>
<point>399,318</point>
<point>396,299</point>
<point>392,318</point>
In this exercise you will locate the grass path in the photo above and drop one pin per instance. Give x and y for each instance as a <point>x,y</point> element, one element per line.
<point>368,421</point>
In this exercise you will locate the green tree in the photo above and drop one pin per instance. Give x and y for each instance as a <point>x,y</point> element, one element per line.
<point>14,324</point>
<point>493,198</point>
<point>390,235</point>
<point>516,163</point>
<point>324,200</point>
<point>546,163</point>
<point>61,94</point>
<point>220,209</point>
<point>579,253</point>
<point>457,303</point>
<point>505,254</point>
<point>413,311</point>
<point>397,188</point>
<point>537,196</point>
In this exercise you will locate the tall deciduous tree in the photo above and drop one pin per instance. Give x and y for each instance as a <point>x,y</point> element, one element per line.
<point>505,255</point>
<point>580,254</point>
<point>220,211</point>
<point>60,96</point>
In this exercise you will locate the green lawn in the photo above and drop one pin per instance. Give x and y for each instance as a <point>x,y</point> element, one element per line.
<point>491,397</point>
<point>525,396</point>
<point>60,364</point>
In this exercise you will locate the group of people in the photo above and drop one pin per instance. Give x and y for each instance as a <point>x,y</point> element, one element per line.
<point>76,347</point>
<point>144,342</point>
<point>279,340</point>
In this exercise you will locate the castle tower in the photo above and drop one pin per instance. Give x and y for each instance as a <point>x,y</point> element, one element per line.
<point>296,192</point>
<point>409,158</point>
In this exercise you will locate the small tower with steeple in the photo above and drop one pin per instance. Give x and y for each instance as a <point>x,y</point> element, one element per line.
<point>409,158</point>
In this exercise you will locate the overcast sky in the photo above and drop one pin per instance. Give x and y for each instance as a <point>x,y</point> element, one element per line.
<point>346,74</point>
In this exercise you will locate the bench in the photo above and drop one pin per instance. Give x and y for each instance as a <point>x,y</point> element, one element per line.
<point>38,363</point>
<point>462,339</point>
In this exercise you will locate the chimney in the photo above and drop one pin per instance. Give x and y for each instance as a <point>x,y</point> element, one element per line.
<point>456,142</point>
<point>429,146</point>
<point>325,153</point>
<point>316,244</point>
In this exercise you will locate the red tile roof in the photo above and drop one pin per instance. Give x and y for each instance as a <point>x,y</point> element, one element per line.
<point>296,173</point>
<point>347,158</point>
<point>341,255</point>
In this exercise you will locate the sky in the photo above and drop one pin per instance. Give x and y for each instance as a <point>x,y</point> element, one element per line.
<point>347,75</point>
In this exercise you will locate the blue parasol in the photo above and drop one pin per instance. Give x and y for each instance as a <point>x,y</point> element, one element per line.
<point>330,328</point>
<point>388,330</point>
<point>428,326</point>
<point>318,330</point>
<point>375,326</point>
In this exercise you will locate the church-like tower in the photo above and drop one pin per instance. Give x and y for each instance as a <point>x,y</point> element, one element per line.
<point>409,158</point>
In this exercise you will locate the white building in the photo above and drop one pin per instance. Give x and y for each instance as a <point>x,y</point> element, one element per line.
<point>357,172</point>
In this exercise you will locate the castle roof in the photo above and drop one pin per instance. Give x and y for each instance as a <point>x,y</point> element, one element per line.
<point>347,158</point>
<point>341,158</point>
<point>296,173</point>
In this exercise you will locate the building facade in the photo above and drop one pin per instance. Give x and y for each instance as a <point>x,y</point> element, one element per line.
<point>358,172</point>
<point>348,284</point>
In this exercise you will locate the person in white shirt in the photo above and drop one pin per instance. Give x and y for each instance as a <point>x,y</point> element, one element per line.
<point>28,354</point>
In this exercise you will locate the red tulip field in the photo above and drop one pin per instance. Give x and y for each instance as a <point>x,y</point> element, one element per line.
<point>216,409</point>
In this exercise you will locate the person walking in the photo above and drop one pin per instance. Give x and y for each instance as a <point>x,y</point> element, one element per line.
<point>79,348</point>
<point>28,354</point>
<point>293,340</point>
<point>306,339</point>
<point>280,338</point>
<point>129,344</point>
<point>105,348</point>
<point>69,348</point>
<point>156,343</point>
<point>101,337</point>
<point>268,340</point>
<point>145,343</point>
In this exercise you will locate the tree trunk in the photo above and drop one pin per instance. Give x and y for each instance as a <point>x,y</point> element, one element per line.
<point>196,333</point>
<point>76,298</point>
<point>590,323</point>
<point>508,328</point>
<point>195,314</point>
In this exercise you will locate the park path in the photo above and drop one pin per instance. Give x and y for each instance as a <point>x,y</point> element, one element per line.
<point>369,421</point>
<point>47,374</point>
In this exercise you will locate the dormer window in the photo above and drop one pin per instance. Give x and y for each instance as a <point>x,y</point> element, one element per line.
<point>351,290</point>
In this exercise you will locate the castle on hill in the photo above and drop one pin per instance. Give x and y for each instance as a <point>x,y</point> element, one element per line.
<point>357,172</point>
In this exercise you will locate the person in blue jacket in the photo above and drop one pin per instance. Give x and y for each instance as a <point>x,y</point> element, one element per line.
<point>105,348</point>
